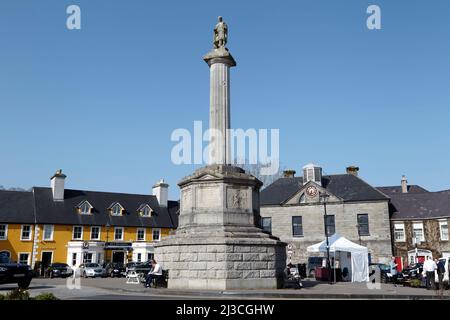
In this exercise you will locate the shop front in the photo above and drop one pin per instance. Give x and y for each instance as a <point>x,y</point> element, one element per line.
<point>118,252</point>
<point>142,251</point>
<point>79,252</point>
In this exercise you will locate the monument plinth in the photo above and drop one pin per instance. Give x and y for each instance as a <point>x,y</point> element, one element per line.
<point>217,244</point>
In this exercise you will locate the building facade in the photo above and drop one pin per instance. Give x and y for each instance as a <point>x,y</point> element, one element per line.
<point>419,222</point>
<point>48,225</point>
<point>292,208</point>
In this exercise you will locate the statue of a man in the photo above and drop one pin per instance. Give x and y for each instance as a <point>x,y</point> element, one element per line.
<point>220,34</point>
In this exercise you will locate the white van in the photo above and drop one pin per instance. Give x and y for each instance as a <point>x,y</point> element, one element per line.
<point>446,260</point>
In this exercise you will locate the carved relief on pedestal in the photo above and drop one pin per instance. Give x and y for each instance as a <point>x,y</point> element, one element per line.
<point>237,198</point>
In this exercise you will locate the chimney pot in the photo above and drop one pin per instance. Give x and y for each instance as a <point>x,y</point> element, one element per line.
<point>404,184</point>
<point>57,184</point>
<point>353,170</point>
<point>161,191</point>
<point>289,173</point>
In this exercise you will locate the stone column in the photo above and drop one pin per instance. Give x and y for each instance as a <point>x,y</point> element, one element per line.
<point>220,61</point>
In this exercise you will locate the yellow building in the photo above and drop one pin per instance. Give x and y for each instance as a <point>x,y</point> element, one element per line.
<point>48,225</point>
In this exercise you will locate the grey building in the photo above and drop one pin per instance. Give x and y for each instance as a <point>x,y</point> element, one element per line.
<point>292,208</point>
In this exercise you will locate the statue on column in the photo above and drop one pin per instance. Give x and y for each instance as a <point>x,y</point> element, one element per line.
<point>220,34</point>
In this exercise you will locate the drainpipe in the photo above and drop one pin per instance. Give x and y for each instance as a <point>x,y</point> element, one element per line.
<point>35,243</point>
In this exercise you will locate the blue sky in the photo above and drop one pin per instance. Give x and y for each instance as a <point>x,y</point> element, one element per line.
<point>102,102</point>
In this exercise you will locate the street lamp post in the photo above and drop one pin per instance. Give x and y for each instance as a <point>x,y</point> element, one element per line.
<point>107,240</point>
<point>324,198</point>
<point>359,233</point>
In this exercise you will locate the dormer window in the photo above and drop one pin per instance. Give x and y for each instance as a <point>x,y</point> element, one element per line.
<point>85,208</point>
<point>145,210</point>
<point>116,209</point>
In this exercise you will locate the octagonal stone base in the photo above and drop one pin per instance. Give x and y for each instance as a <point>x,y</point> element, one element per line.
<point>217,245</point>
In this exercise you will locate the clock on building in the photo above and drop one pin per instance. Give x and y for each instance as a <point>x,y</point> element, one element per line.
<point>311,191</point>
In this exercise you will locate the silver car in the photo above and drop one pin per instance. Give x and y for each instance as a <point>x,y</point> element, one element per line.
<point>92,270</point>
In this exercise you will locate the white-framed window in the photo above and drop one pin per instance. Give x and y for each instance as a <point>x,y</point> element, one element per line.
<point>418,231</point>
<point>95,233</point>
<point>399,232</point>
<point>156,234</point>
<point>139,257</point>
<point>140,234</point>
<point>116,210</point>
<point>48,232</point>
<point>85,207</point>
<point>118,233</point>
<point>443,227</point>
<point>150,256</point>
<point>24,258</point>
<point>77,233</point>
<point>3,232</point>
<point>146,211</point>
<point>74,258</point>
<point>25,234</point>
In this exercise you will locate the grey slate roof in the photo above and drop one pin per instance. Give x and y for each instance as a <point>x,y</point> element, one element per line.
<point>16,207</point>
<point>39,204</point>
<point>398,189</point>
<point>420,205</point>
<point>345,186</point>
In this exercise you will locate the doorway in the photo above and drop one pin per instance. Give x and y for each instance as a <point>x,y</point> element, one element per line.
<point>47,257</point>
<point>118,257</point>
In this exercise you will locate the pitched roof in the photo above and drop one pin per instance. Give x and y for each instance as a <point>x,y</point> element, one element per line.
<point>398,189</point>
<point>16,207</point>
<point>424,205</point>
<point>345,186</point>
<point>25,207</point>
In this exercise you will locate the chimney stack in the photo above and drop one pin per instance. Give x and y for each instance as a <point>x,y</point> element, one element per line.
<point>57,184</point>
<point>404,185</point>
<point>353,170</point>
<point>161,191</point>
<point>289,173</point>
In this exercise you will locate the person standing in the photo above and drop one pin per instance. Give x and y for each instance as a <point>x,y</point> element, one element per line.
<point>440,273</point>
<point>429,267</point>
<point>393,271</point>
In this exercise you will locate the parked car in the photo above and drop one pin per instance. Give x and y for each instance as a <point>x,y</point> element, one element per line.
<point>384,270</point>
<point>413,271</point>
<point>115,269</point>
<point>130,265</point>
<point>11,272</point>
<point>313,262</point>
<point>56,270</point>
<point>141,268</point>
<point>92,270</point>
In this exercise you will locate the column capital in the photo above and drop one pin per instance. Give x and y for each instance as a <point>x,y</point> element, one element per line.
<point>221,55</point>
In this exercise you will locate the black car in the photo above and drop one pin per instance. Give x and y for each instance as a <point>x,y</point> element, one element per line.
<point>14,273</point>
<point>56,270</point>
<point>142,268</point>
<point>115,269</point>
<point>413,271</point>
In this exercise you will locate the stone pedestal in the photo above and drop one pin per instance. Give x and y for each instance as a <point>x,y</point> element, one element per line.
<point>217,244</point>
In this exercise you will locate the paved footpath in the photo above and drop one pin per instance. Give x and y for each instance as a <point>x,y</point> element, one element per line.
<point>114,289</point>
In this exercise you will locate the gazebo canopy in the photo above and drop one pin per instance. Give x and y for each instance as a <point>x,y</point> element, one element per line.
<point>359,255</point>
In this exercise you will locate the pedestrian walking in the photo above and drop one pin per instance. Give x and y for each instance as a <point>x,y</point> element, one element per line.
<point>441,273</point>
<point>429,267</point>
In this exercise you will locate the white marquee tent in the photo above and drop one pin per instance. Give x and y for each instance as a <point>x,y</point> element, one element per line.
<point>359,261</point>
